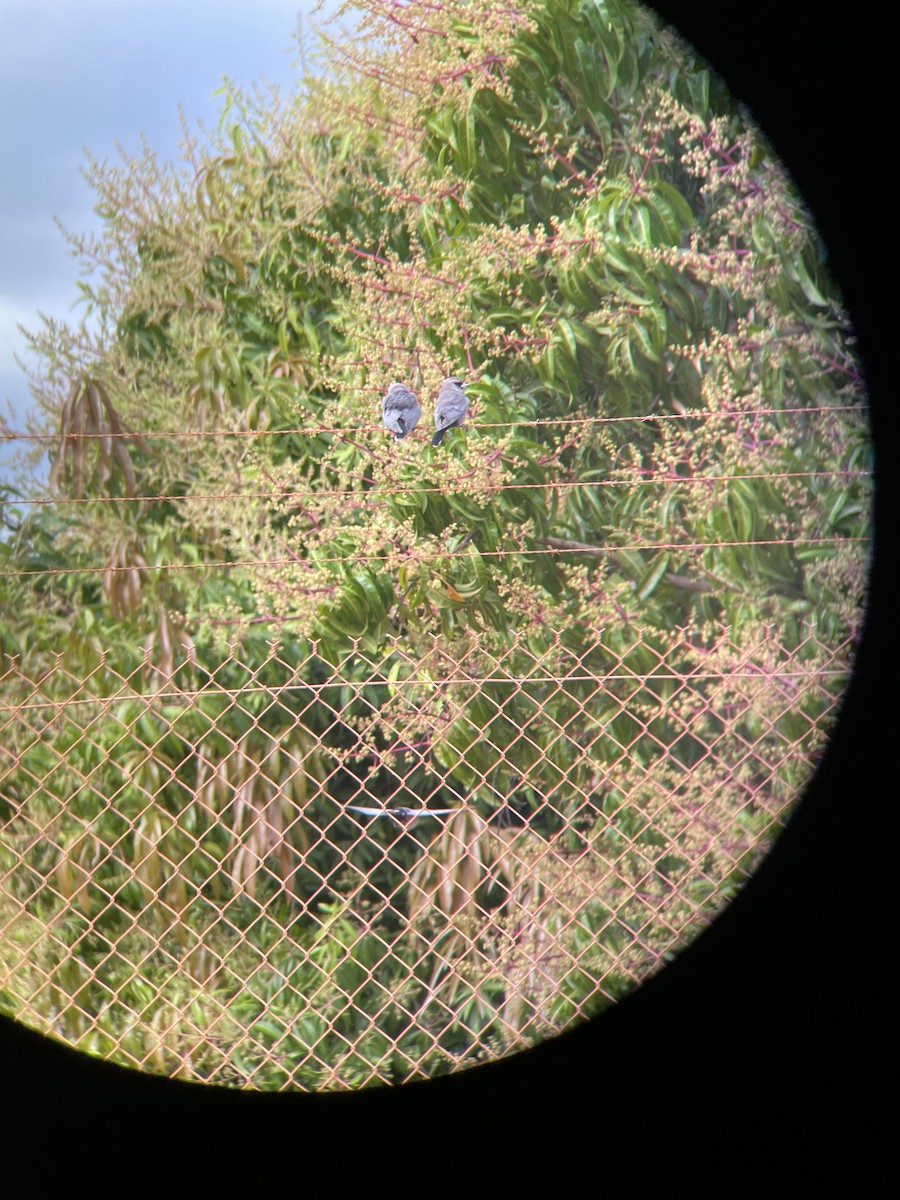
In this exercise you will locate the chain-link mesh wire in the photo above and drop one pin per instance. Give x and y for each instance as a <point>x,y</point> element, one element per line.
<point>189,886</point>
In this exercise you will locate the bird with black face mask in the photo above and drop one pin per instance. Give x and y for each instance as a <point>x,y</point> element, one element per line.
<point>451,408</point>
<point>400,410</point>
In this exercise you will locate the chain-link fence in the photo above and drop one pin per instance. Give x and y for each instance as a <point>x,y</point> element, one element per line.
<point>263,879</point>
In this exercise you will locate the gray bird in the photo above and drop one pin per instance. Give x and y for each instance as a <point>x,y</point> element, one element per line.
<point>400,410</point>
<point>451,408</point>
<point>406,818</point>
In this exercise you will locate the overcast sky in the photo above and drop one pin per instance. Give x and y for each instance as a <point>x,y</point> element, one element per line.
<point>91,74</point>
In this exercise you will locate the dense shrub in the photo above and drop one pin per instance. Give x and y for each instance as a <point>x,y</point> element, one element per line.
<point>613,612</point>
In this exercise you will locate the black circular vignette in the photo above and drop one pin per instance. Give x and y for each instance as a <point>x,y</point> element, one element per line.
<point>753,1045</point>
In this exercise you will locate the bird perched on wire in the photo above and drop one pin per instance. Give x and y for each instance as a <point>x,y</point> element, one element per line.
<point>400,410</point>
<point>451,408</point>
<point>406,818</point>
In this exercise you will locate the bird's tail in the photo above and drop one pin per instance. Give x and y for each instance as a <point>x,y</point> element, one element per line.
<point>438,437</point>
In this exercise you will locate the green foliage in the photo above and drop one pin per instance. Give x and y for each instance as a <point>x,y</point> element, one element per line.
<point>248,606</point>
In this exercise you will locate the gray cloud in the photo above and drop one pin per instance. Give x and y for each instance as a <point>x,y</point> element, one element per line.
<point>91,75</point>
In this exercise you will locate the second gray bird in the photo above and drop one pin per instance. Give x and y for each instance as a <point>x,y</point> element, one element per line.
<point>400,410</point>
<point>451,408</point>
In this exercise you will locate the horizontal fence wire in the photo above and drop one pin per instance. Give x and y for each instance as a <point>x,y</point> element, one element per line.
<point>312,430</point>
<point>565,485</point>
<point>554,551</point>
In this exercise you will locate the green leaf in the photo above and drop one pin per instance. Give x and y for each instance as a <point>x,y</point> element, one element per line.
<point>647,586</point>
<point>810,291</point>
<point>568,334</point>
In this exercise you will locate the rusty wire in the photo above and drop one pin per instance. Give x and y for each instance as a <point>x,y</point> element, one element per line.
<point>363,557</point>
<point>311,431</point>
<point>286,493</point>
